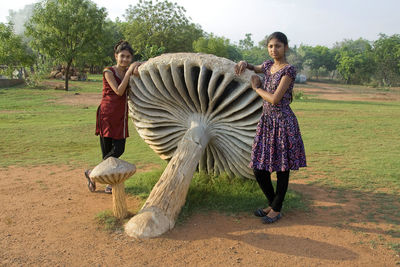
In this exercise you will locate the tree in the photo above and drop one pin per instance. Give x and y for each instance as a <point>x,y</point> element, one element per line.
<point>103,53</point>
<point>151,51</point>
<point>159,24</point>
<point>386,52</point>
<point>246,43</point>
<point>253,54</point>
<point>218,46</point>
<point>355,60</point>
<point>13,52</point>
<point>295,58</point>
<point>66,30</point>
<point>318,58</point>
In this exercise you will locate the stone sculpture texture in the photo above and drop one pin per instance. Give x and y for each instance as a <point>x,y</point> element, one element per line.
<point>114,171</point>
<point>192,110</point>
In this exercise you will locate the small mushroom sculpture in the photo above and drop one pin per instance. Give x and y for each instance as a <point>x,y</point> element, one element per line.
<point>194,111</point>
<point>114,171</point>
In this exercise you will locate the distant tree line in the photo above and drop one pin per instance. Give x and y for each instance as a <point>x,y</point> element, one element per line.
<point>76,33</point>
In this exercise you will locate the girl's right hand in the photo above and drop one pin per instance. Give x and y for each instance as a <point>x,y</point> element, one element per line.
<point>240,67</point>
<point>136,66</point>
<point>131,69</point>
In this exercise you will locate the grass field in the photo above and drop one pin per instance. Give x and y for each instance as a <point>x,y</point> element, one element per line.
<point>351,146</point>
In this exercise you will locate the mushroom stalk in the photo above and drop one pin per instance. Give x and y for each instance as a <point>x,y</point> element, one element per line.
<point>162,208</point>
<point>119,203</point>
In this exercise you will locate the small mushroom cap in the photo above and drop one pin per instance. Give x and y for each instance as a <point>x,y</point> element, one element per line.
<point>112,171</point>
<point>173,90</point>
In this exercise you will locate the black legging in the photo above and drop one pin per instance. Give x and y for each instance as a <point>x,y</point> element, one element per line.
<point>275,199</point>
<point>112,147</point>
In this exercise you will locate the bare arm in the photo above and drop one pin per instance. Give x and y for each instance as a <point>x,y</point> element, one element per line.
<point>276,97</point>
<point>243,65</point>
<point>120,89</point>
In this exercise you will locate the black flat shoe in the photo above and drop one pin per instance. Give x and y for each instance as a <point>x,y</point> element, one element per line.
<point>260,213</point>
<point>267,219</point>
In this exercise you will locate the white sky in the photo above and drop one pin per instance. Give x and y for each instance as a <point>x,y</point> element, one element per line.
<point>311,22</point>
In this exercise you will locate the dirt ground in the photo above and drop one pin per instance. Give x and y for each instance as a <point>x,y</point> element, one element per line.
<point>48,219</point>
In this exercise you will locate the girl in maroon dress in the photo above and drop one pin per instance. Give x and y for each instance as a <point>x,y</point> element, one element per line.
<point>278,145</point>
<point>112,114</point>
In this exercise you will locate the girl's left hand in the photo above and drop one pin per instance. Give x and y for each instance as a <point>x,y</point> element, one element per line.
<point>135,67</point>
<point>255,82</point>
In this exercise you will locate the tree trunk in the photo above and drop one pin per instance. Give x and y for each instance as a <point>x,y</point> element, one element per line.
<point>67,74</point>
<point>161,209</point>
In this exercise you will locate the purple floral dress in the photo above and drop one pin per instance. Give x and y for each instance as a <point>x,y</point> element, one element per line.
<point>278,145</point>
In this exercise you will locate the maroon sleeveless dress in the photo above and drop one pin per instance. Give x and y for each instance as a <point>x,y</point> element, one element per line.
<point>112,114</point>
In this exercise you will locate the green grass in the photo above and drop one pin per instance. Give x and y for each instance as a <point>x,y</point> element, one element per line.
<point>226,195</point>
<point>356,143</point>
<point>215,193</point>
<point>351,146</point>
<point>38,131</point>
<point>108,222</point>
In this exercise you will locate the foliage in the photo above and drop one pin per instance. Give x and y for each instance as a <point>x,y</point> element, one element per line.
<point>387,59</point>
<point>295,59</point>
<point>151,51</point>
<point>318,58</point>
<point>66,30</point>
<point>247,43</point>
<point>298,95</point>
<point>251,53</point>
<point>355,60</point>
<point>13,52</point>
<point>159,24</point>
<point>102,53</point>
<point>218,46</point>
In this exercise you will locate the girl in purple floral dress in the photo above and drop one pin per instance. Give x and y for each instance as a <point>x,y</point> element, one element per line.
<point>278,145</point>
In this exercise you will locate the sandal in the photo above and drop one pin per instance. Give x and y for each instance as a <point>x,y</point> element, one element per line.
<point>267,219</point>
<point>108,189</point>
<point>91,185</point>
<point>260,213</point>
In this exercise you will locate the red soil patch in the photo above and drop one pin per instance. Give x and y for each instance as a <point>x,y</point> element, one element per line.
<point>350,93</point>
<point>80,99</point>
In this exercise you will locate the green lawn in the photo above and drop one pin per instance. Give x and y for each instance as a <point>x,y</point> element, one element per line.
<point>356,143</point>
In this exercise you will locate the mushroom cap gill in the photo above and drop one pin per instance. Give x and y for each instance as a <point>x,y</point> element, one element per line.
<point>173,90</point>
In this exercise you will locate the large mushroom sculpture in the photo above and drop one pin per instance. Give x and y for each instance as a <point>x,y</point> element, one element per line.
<point>192,110</point>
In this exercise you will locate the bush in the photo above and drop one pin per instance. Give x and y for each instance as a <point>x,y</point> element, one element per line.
<point>298,95</point>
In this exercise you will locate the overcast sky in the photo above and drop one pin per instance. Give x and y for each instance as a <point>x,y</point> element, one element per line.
<point>311,22</point>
